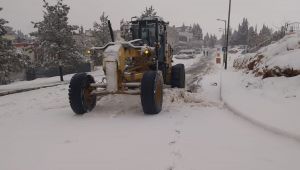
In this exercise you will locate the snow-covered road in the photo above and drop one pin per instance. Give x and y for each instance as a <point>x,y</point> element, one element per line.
<point>38,131</point>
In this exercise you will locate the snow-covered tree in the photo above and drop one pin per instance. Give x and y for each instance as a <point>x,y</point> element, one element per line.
<point>212,41</point>
<point>277,35</point>
<point>243,32</point>
<point>2,23</point>
<point>81,30</point>
<point>206,40</point>
<point>265,33</point>
<point>101,31</point>
<point>56,45</point>
<point>252,37</point>
<point>10,61</point>
<point>197,32</point>
<point>148,12</point>
<point>21,37</point>
<point>183,28</point>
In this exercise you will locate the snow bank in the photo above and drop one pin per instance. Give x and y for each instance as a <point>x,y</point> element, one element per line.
<point>273,102</point>
<point>45,81</point>
<point>281,58</point>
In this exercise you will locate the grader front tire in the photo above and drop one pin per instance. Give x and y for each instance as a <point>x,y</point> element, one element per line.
<point>80,97</point>
<point>152,93</point>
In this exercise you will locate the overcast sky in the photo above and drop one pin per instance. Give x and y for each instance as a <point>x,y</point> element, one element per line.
<point>84,12</point>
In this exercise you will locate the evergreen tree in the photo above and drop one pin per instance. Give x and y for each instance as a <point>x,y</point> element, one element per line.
<point>149,12</point>
<point>10,61</point>
<point>234,40</point>
<point>265,33</point>
<point>252,37</point>
<point>279,34</point>
<point>183,28</point>
<point>197,31</point>
<point>81,30</point>
<point>56,45</point>
<point>222,40</point>
<point>20,36</point>
<point>212,41</point>
<point>206,40</point>
<point>2,23</point>
<point>101,31</point>
<point>243,32</point>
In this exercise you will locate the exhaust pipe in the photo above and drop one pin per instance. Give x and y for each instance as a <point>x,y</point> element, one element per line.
<point>111,32</point>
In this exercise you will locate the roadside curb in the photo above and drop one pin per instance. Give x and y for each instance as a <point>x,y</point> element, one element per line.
<point>29,89</point>
<point>255,122</point>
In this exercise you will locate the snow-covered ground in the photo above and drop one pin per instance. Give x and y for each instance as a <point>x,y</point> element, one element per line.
<point>272,102</point>
<point>38,130</point>
<point>40,82</point>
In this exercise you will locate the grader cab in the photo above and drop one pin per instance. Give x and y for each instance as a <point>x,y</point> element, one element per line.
<point>137,67</point>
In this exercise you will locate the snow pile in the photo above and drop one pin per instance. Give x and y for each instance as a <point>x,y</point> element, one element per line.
<point>281,58</point>
<point>273,102</point>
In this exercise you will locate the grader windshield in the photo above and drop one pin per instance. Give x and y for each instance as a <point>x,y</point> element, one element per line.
<point>148,29</point>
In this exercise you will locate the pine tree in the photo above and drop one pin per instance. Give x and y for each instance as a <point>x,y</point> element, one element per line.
<point>56,45</point>
<point>212,41</point>
<point>265,33</point>
<point>149,12</point>
<point>206,40</point>
<point>243,32</point>
<point>183,28</point>
<point>277,35</point>
<point>81,30</point>
<point>197,31</point>
<point>101,31</point>
<point>234,40</point>
<point>252,37</point>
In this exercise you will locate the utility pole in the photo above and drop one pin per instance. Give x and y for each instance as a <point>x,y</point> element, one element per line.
<point>60,69</point>
<point>227,35</point>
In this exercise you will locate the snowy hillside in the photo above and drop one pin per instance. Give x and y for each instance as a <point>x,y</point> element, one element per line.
<point>281,58</point>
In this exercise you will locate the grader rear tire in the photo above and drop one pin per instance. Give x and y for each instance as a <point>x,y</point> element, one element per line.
<point>178,76</point>
<point>152,92</point>
<point>80,97</point>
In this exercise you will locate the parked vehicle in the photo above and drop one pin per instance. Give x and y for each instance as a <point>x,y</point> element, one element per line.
<point>185,54</point>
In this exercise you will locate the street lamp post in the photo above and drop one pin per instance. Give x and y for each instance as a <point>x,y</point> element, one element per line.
<point>223,20</point>
<point>225,36</point>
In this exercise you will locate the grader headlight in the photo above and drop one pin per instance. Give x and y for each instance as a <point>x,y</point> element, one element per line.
<point>146,52</point>
<point>90,52</point>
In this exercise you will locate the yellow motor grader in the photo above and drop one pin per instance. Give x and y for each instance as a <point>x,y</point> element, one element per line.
<point>137,67</point>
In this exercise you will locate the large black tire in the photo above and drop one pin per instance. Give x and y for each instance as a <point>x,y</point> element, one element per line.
<point>80,97</point>
<point>152,92</point>
<point>178,76</point>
